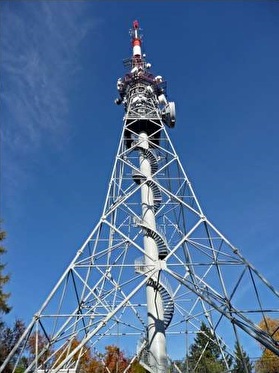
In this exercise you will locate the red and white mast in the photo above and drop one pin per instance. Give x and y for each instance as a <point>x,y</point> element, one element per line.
<point>139,91</point>
<point>136,39</point>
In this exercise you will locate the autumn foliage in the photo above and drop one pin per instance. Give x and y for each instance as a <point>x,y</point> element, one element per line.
<point>269,362</point>
<point>113,359</point>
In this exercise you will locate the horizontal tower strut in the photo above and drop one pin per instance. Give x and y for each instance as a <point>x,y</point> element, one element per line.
<point>154,269</point>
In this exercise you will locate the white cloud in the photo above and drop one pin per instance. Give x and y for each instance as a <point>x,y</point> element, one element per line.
<point>40,45</point>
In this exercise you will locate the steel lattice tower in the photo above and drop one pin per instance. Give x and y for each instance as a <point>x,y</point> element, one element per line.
<point>154,267</point>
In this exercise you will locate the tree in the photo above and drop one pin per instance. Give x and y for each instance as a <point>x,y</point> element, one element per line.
<point>4,307</point>
<point>95,365</point>
<point>180,364</point>
<point>37,342</point>
<point>8,339</point>
<point>136,367</point>
<point>83,356</point>
<point>269,362</point>
<point>205,353</point>
<point>8,335</point>
<point>242,362</point>
<point>115,360</point>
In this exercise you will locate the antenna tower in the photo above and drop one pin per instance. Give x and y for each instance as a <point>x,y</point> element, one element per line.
<point>154,268</point>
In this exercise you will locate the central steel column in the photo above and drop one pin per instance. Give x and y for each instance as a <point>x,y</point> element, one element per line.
<point>155,309</point>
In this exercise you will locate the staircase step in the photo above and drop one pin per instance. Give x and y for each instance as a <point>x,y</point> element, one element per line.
<point>162,246</point>
<point>153,161</point>
<point>168,303</point>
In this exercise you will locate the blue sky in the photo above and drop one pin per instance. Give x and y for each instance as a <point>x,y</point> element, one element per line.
<point>59,64</point>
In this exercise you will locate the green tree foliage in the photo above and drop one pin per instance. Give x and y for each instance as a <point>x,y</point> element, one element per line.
<point>4,307</point>
<point>242,363</point>
<point>180,364</point>
<point>205,353</point>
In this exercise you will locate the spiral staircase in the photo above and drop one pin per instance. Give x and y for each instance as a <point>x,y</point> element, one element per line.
<point>151,212</point>
<point>161,285</point>
<point>158,282</point>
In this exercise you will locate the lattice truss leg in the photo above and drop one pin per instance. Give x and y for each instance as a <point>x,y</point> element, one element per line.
<point>199,274</point>
<point>154,268</point>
